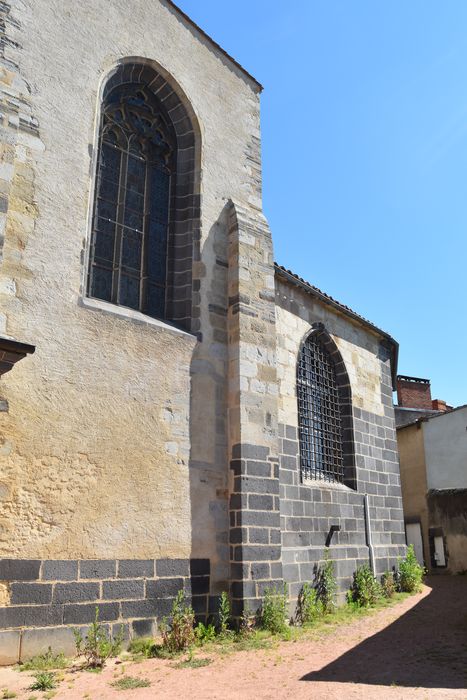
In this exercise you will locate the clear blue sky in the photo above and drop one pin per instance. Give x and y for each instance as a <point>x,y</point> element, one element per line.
<point>364,128</point>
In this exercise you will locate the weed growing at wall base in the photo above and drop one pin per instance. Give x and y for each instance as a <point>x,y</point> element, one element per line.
<point>273,611</point>
<point>309,606</point>
<point>388,584</point>
<point>224,613</point>
<point>205,633</point>
<point>179,634</point>
<point>410,572</point>
<point>97,646</point>
<point>326,584</point>
<point>45,662</point>
<point>365,589</point>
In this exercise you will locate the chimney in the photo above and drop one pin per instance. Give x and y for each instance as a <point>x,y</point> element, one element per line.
<point>413,392</point>
<point>440,405</point>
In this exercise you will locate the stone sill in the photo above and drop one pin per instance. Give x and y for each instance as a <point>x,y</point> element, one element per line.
<point>322,484</point>
<point>131,315</point>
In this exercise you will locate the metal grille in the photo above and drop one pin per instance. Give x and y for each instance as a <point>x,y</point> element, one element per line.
<point>319,417</point>
<point>130,234</point>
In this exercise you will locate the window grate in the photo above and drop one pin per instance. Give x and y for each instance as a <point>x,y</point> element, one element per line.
<point>319,415</point>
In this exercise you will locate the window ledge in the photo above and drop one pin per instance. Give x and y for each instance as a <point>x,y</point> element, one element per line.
<point>323,484</point>
<point>132,315</point>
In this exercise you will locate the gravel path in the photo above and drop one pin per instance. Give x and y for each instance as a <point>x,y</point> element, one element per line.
<point>417,649</point>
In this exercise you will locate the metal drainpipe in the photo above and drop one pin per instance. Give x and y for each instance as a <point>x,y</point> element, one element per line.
<point>368,534</point>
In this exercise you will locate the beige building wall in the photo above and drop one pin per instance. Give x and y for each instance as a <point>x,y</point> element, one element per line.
<point>100,454</point>
<point>410,441</point>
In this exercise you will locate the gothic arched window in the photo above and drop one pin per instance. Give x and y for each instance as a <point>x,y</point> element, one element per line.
<point>135,176</point>
<point>319,413</point>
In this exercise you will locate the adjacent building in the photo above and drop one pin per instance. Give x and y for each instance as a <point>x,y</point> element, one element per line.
<point>432,440</point>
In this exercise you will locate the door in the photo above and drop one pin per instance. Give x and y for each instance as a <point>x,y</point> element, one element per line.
<point>413,533</point>
<point>440,559</point>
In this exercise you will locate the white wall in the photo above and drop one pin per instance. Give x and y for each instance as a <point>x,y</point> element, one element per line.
<point>446,450</point>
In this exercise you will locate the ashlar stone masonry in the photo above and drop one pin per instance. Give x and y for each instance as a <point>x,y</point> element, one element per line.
<point>140,455</point>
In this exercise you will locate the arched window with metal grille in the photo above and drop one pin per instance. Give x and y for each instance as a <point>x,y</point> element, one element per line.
<point>145,227</point>
<point>323,453</point>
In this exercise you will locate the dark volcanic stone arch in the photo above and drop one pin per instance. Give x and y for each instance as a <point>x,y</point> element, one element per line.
<point>319,332</point>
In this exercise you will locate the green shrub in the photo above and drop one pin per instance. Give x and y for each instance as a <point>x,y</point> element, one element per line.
<point>97,646</point>
<point>224,613</point>
<point>205,633</point>
<point>410,572</point>
<point>309,606</point>
<point>142,646</point>
<point>273,611</point>
<point>388,584</point>
<point>365,589</point>
<point>326,585</point>
<point>191,662</point>
<point>179,634</point>
<point>45,680</point>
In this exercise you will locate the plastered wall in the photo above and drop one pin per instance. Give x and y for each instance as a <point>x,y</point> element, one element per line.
<point>445,439</point>
<point>413,480</point>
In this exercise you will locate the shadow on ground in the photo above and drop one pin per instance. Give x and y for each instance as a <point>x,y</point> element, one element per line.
<point>426,647</point>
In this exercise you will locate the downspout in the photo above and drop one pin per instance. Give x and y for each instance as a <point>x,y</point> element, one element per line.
<point>369,540</point>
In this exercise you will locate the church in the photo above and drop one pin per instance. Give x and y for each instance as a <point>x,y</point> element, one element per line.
<point>177,410</point>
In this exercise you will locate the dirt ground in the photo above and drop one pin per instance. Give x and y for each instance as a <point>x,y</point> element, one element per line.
<point>416,649</point>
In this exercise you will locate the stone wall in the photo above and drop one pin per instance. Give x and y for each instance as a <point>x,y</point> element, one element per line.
<point>255,538</point>
<point>122,414</point>
<point>48,599</point>
<point>310,508</point>
<point>128,441</point>
<point>114,435</point>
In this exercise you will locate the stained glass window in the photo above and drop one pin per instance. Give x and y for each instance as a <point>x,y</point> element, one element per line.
<point>128,262</point>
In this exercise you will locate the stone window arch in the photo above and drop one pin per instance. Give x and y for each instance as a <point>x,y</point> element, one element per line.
<point>145,226</point>
<point>324,411</point>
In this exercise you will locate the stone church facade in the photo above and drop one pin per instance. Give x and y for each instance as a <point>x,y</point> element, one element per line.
<point>185,413</point>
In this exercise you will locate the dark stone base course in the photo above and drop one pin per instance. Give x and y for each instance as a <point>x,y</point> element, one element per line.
<point>48,598</point>
<point>315,513</point>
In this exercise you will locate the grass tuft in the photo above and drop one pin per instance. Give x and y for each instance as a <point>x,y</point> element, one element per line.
<point>130,682</point>
<point>193,663</point>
